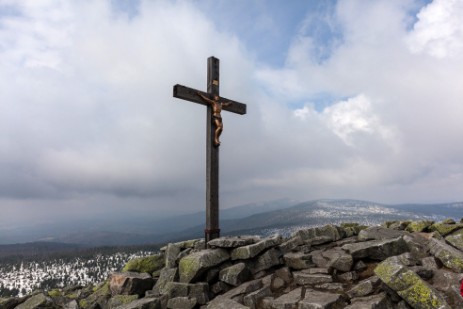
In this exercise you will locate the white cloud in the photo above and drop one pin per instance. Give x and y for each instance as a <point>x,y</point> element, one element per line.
<point>439,31</point>
<point>86,107</point>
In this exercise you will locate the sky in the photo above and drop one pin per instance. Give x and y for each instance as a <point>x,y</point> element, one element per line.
<point>346,99</point>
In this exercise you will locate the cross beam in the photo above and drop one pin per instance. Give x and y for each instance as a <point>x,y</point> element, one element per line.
<point>209,98</point>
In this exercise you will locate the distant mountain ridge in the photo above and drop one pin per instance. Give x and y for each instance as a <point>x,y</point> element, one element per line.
<point>279,216</point>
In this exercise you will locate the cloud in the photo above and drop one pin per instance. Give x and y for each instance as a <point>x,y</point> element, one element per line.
<point>367,104</point>
<point>438,31</point>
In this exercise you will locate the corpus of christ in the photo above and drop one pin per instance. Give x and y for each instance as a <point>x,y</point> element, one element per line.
<point>214,126</point>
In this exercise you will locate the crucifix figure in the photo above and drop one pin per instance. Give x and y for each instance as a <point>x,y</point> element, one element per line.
<point>215,104</point>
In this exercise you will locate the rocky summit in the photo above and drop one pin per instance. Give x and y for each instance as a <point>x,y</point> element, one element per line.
<point>402,264</point>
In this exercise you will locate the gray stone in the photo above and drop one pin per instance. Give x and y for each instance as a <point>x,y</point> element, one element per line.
<point>379,301</point>
<point>167,275</point>
<point>331,287</point>
<point>143,303</point>
<point>219,288</point>
<point>319,235</point>
<point>448,283</point>
<point>268,259</point>
<point>235,274</point>
<point>119,300</point>
<point>277,284</point>
<point>423,272</point>
<point>321,300</point>
<point>347,277</point>
<point>417,245</point>
<point>456,239</point>
<point>245,288</point>
<point>448,255</point>
<point>406,259</point>
<point>360,266</point>
<point>36,301</point>
<point>198,291</point>
<point>172,253</point>
<point>298,260</point>
<point>191,267</point>
<point>285,274</point>
<point>288,301</point>
<point>233,242</point>
<point>429,262</point>
<point>225,303</point>
<point>379,233</point>
<point>364,287</point>
<point>338,259</point>
<point>402,305</point>
<point>250,251</point>
<point>70,305</point>
<point>181,303</point>
<point>130,283</point>
<point>302,278</point>
<point>377,249</point>
<point>291,244</point>
<point>408,285</point>
<point>317,270</point>
<point>252,299</point>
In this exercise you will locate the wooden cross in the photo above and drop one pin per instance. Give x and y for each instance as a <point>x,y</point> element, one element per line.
<point>212,145</point>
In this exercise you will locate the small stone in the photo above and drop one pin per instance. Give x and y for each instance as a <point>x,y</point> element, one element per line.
<point>235,274</point>
<point>379,233</point>
<point>130,283</point>
<point>268,259</point>
<point>36,301</point>
<point>172,253</point>
<point>379,301</point>
<point>233,242</point>
<point>364,288</point>
<point>252,299</point>
<point>288,301</point>
<point>320,300</point>
<point>445,229</point>
<point>456,239</point>
<point>225,303</point>
<point>319,235</point>
<point>192,266</point>
<point>147,264</point>
<point>348,276</point>
<point>148,303</point>
<point>419,226</point>
<point>298,260</point>
<point>429,262</point>
<point>167,275</point>
<point>449,256</point>
<point>250,251</point>
<point>377,249</point>
<point>309,279</point>
<point>181,303</point>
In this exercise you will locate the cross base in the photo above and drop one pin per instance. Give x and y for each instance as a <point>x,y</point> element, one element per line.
<point>210,234</point>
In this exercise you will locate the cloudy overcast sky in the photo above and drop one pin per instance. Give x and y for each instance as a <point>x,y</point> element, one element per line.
<point>346,99</point>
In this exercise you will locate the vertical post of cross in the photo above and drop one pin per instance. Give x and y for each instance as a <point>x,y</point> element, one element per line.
<point>215,104</point>
<point>212,230</point>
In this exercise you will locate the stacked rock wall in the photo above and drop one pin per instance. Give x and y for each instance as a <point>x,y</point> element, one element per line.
<point>397,265</point>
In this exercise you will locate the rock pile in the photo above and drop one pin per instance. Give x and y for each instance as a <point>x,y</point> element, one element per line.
<point>397,265</point>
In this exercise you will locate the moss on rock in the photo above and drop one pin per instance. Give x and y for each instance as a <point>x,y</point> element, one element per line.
<point>55,293</point>
<point>148,264</point>
<point>418,226</point>
<point>444,229</point>
<point>410,286</point>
